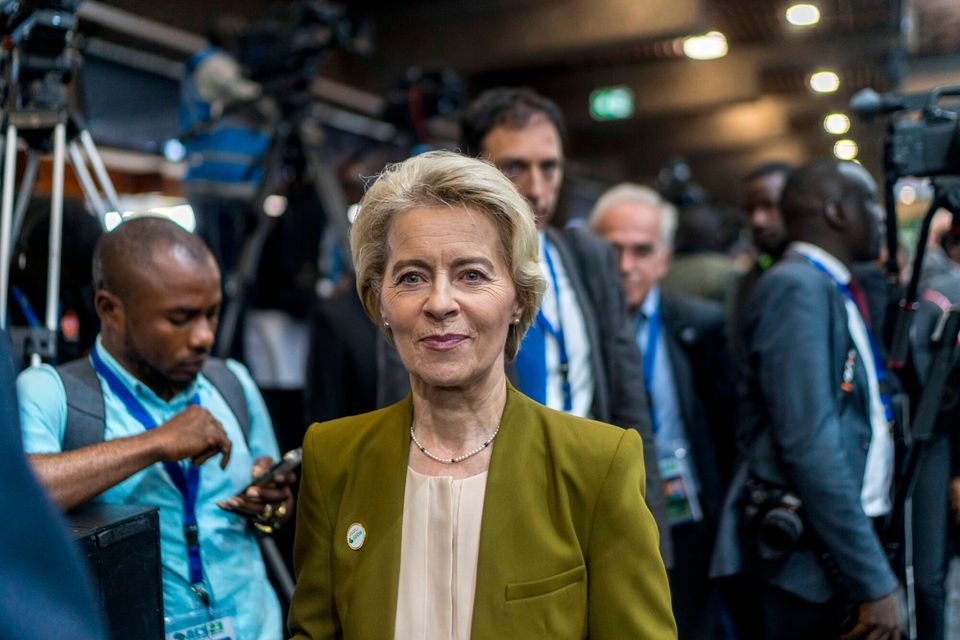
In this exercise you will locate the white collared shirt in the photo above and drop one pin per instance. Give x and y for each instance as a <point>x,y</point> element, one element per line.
<point>878,472</point>
<point>580,374</point>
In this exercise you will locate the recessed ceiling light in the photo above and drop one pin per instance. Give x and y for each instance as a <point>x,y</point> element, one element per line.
<point>803,15</point>
<point>845,149</point>
<point>908,194</point>
<point>836,123</point>
<point>709,46</point>
<point>824,82</point>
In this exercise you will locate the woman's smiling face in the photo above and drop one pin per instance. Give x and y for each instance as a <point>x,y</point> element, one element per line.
<point>447,295</point>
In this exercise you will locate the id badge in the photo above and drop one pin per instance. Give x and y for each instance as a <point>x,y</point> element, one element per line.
<point>205,624</point>
<point>683,505</point>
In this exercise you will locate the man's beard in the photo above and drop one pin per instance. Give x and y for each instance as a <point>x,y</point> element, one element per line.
<point>159,382</point>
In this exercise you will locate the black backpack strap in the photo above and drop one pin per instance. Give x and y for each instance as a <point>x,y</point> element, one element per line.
<point>85,412</point>
<point>230,387</point>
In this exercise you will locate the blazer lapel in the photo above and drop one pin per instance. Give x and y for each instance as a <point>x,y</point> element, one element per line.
<point>503,514</point>
<point>374,499</point>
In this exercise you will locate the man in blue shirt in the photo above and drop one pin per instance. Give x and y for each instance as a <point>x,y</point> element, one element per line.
<point>158,298</point>
<point>687,378</point>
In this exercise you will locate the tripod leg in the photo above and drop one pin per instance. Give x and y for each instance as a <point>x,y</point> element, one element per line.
<point>26,191</point>
<point>328,189</point>
<point>56,236</point>
<point>6,218</point>
<point>99,169</point>
<point>86,182</point>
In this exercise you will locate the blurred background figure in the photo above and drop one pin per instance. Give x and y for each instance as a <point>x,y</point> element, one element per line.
<point>688,381</point>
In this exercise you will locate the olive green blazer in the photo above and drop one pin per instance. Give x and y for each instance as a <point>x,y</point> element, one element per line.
<point>568,548</point>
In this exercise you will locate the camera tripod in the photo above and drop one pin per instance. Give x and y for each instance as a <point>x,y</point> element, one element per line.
<point>46,125</point>
<point>944,350</point>
<point>304,131</point>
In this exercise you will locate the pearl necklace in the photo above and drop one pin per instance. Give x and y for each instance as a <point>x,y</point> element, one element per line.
<point>455,459</point>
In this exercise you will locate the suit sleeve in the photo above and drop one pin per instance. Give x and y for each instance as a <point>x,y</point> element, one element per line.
<point>629,407</point>
<point>313,612</point>
<point>791,345</point>
<point>629,596</point>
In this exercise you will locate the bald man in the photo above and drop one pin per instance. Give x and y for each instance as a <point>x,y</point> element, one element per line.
<point>169,436</point>
<point>816,426</point>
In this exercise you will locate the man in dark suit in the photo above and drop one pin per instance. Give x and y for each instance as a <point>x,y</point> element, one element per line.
<point>815,426</point>
<point>687,378</point>
<point>760,198</point>
<point>45,589</point>
<point>580,356</point>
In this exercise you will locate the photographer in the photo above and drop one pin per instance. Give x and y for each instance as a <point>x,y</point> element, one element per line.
<point>816,428</point>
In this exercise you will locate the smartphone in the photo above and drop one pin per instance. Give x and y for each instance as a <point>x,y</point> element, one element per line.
<point>290,461</point>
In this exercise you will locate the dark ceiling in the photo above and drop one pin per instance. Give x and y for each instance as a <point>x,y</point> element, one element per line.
<point>723,116</point>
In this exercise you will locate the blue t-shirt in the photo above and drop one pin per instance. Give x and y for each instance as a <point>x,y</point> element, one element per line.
<point>233,567</point>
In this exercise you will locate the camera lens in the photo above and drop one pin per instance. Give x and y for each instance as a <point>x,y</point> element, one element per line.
<point>778,533</point>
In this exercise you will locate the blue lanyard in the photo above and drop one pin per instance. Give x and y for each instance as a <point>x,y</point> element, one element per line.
<point>650,357</point>
<point>874,345</point>
<point>187,484</point>
<point>557,332</point>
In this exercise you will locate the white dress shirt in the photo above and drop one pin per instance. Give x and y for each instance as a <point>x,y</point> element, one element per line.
<point>580,374</point>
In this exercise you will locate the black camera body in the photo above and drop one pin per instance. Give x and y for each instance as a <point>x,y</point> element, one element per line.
<point>924,137</point>
<point>773,517</point>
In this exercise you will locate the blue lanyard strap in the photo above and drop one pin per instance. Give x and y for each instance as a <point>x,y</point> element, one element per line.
<point>874,345</point>
<point>557,332</point>
<point>649,353</point>
<point>187,483</point>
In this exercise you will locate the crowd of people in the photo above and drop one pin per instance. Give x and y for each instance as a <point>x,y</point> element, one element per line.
<point>539,432</point>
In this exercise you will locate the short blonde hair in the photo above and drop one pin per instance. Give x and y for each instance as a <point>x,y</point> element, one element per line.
<point>449,180</point>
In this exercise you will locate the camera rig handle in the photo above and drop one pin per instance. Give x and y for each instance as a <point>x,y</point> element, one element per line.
<point>946,196</point>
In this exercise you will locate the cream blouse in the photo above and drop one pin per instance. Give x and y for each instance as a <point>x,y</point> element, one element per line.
<point>438,556</point>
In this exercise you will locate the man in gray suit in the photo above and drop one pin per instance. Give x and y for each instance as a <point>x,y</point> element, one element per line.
<point>815,431</point>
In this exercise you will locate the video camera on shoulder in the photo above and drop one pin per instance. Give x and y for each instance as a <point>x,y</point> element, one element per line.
<point>774,519</point>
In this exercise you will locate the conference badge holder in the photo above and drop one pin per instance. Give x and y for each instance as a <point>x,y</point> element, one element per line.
<point>679,488</point>
<point>202,624</point>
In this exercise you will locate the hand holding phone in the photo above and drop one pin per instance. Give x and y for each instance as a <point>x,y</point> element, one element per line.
<point>290,461</point>
<point>254,504</point>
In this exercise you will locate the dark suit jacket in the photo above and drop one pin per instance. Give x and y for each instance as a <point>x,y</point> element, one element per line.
<point>342,363</point>
<point>618,394</point>
<point>800,431</point>
<point>696,346</point>
<point>567,545</point>
<point>45,590</point>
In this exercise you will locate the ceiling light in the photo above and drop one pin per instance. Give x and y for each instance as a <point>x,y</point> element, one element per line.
<point>908,194</point>
<point>836,123</point>
<point>845,149</point>
<point>803,15</point>
<point>824,82</point>
<point>709,46</point>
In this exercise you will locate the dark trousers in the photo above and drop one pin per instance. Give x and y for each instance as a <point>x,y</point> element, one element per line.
<point>696,602</point>
<point>764,612</point>
<point>930,523</point>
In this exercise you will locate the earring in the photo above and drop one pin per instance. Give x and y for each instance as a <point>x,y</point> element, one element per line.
<point>516,321</point>
<point>386,325</point>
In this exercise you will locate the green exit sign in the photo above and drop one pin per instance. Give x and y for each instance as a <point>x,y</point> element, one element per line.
<point>611,103</point>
